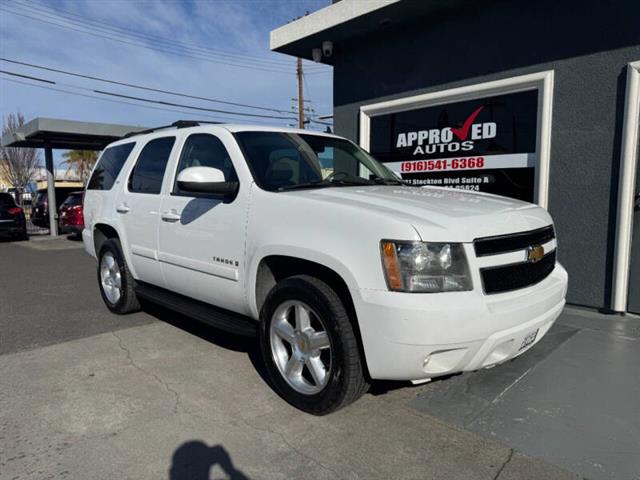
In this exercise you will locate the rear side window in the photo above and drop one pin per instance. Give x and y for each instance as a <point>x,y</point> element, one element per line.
<point>73,200</point>
<point>148,173</point>
<point>109,166</point>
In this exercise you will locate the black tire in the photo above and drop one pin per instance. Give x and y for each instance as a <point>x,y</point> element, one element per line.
<point>128,301</point>
<point>346,381</point>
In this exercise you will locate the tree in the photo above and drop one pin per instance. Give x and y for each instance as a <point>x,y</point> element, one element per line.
<point>82,161</point>
<point>18,165</point>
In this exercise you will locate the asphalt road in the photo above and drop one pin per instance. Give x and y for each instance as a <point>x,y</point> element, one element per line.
<point>87,394</point>
<point>49,294</point>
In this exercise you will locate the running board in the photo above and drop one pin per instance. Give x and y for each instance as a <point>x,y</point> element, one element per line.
<point>216,317</point>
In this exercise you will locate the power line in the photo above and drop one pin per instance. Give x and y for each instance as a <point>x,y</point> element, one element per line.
<point>27,76</point>
<point>159,102</point>
<point>170,50</point>
<point>140,87</point>
<point>74,18</point>
<point>95,97</point>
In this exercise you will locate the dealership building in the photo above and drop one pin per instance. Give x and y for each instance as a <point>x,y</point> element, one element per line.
<point>534,100</point>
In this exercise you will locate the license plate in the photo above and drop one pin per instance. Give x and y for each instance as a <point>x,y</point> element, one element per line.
<point>529,339</point>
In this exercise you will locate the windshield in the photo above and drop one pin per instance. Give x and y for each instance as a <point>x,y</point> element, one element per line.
<point>286,161</point>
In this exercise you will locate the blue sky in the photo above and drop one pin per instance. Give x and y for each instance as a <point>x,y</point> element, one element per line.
<point>211,48</point>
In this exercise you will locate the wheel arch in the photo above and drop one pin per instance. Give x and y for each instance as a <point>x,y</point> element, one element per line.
<point>275,267</point>
<point>101,233</point>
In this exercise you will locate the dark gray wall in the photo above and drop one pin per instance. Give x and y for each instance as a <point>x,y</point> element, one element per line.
<point>588,45</point>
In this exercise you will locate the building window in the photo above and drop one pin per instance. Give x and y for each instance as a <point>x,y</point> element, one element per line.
<point>490,137</point>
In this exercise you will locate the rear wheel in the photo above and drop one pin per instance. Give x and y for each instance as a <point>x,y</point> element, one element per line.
<point>309,346</point>
<point>114,279</point>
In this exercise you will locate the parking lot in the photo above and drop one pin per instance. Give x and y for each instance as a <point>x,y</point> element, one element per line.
<point>87,394</point>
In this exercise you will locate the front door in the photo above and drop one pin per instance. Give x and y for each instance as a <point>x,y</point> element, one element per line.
<point>634,267</point>
<point>139,206</point>
<point>202,237</point>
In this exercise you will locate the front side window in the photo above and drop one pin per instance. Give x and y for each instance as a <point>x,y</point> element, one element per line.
<point>109,166</point>
<point>205,150</point>
<point>284,161</point>
<point>149,170</point>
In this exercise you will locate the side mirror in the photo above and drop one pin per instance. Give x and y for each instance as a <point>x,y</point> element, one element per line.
<point>205,180</point>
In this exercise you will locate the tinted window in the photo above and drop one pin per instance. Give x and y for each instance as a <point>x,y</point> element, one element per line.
<point>282,160</point>
<point>6,199</point>
<point>205,150</point>
<point>109,166</point>
<point>148,173</point>
<point>73,200</point>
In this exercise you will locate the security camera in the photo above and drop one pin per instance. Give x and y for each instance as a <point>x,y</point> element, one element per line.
<point>316,54</point>
<point>327,48</point>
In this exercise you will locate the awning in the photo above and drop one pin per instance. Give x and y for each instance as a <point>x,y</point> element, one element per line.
<point>66,134</point>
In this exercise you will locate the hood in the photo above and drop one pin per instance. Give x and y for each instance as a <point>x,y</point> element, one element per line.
<point>437,213</point>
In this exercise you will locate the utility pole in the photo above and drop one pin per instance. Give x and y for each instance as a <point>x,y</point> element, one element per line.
<point>300,97</point>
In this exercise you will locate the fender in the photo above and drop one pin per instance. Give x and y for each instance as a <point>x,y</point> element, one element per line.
<point>297,252</point>
<point>123,242</point>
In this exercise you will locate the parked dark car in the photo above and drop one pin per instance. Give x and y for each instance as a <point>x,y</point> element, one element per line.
<point>40,213</point>
<point>70,219</point>
<point>12,219</point>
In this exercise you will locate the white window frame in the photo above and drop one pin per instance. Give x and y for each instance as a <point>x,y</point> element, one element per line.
<point>541,81</point>
<point>626,189</point>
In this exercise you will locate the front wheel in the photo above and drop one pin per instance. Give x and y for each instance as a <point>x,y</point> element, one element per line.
<point>309,346</point>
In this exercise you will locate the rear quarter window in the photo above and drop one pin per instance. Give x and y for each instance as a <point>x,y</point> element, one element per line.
<point>111,162</point>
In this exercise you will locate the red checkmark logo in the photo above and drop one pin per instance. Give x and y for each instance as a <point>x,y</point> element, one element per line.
<point>463,131</point>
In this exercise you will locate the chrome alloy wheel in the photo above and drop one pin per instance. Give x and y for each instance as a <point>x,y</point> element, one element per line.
<point>300,347</point>
<point>110,278</point>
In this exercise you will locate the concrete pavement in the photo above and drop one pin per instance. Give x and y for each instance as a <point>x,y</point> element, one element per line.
<point>88,395</point>
<point>155,401</point>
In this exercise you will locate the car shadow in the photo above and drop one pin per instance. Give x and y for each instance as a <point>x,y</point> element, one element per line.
<point>193,460</point>
<point>249,345</point>
<point>236,343</point>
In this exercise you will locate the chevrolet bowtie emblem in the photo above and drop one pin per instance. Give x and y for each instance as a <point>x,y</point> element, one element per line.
<point>535,253</point>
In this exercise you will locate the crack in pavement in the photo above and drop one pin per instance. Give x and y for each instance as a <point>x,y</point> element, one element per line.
<point>292,447</point>
<point>178,406</point>
<point>502,467</point>
<point>157,378</point>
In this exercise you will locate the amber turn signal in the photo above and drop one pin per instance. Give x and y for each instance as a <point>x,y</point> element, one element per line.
<point>391,265</point>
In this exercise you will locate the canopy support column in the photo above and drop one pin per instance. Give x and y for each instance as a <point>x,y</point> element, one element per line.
<point>51,190</point>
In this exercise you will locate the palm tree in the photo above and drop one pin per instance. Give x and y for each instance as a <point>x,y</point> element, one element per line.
<point>82,161</point>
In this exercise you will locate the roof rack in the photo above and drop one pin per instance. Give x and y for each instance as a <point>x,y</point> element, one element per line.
<point>176,124</point>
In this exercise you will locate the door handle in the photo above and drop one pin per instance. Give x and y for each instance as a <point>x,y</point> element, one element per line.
<point>122,208</point>
<point>171,216</point>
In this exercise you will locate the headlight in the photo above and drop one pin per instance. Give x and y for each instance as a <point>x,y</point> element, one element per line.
<point>425,267</point>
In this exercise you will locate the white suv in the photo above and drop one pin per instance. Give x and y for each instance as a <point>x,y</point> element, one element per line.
<point>346,273</point>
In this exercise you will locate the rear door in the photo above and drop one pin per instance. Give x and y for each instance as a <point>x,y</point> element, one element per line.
<point>138,207</point>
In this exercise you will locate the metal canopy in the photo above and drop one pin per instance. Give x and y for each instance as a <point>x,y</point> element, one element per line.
<point>66,134</point>
<point>51,133</point>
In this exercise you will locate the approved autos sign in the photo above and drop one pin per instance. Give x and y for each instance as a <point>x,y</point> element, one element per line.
<point>486,144</point>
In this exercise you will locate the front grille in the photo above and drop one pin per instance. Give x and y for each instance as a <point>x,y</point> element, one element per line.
<point>512,242</point>
<point>517,275</point>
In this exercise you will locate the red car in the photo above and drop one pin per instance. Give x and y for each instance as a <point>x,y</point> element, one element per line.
<point>12,219</point>
<point>70,219</point>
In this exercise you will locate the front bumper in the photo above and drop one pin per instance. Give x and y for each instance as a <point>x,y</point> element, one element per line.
<point>419,336</point>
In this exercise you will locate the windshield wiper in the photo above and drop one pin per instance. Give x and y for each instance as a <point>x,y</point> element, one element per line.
<point>387,181</point>
<point>326,183</point>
